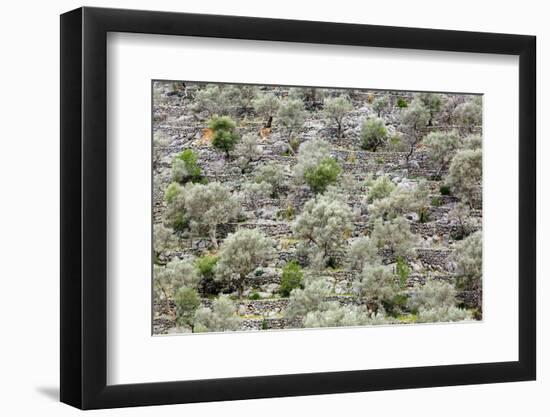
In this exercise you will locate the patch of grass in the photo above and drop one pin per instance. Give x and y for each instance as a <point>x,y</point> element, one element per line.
<point>254,296</point>
<point>437,201</point>
<point>407,318</point>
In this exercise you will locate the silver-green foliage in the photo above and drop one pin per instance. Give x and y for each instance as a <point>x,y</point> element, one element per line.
<point>213,99</point>
<point>291,116</point>
<point>380,188</point>
<point>335,109</point>
<point>266,105</point>
<point>469,114</point>
<point>468,258</point>
<point>433,294</point>
<point>221,317</point>
<point>362,252</point>
<point>334,315</point>
<point>443,314</point>
<point>472,142</point>
<point>380,104</point>
<point>373,134</point>
<point>241,253</point>
<point>324,225</point>
<point>247,150</point>
<point>187,302</point>
<point>204,206</point>
<point>163,238</point>
<point>402,200</point>
<point>432,101</point>
<point>308,299</point>
<point>414,119</point>
<point>464,177</point>
<point>175,275</point>
<point>394,235</point>
<point>376,284</point>
<point>441,147</point>
<point>310,154</point>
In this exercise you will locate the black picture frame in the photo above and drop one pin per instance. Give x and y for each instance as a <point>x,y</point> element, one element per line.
<point>84,207</point>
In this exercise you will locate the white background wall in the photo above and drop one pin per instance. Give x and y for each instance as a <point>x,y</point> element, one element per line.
<point>29,225</point>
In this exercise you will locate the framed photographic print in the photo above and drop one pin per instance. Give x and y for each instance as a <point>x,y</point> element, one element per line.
<point>256,208</point>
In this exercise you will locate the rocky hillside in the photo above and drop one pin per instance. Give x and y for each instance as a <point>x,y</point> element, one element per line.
<point>180,124</point>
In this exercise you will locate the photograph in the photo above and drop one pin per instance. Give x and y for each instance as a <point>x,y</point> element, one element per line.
<point>297,207</point>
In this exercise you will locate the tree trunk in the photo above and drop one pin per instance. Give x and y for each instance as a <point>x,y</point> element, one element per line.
<point>213,237</point>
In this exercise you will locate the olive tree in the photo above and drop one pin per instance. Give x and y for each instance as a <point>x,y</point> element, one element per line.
<point>185,167</point>
<point>167,280</point>
<point>469,114</point>
<point>224,135</point>
<point>432,102</point>
<point>266,105</point>
<point>380,188</point>
<point>394,235</point>
<point>208,205</point>
<point>310,298</point>
<point>247,151</point>
<point>373,134</point>
<point>380,104</point>
<point>468,258</point>
<point>464,176</point>
<point>324,225</point>
<point>160,142</point>
<point>361,252</point>
<point>241,253</point>
<point>413,120</point>
<point>376,286</point>
<point>271,173</point>
<point>402,200</point>
<point>265,182</point>
<point>220,318</point>
<point>291,116</point>
<point>247,95</point>
<point>212,99</point>
<point>472,142</point>
<point>441,147</point>
<point>163,238</point>
<point>433,294</point>
<point>462,221</point>
<point>315,166</point>
<point>187,302</point>
<point>335,109</point>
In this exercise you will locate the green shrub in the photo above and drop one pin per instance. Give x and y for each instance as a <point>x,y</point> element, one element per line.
<point>185,168</point>
<point>265,325</point>
<point>259,272</point>
<point>254,296</point>
<point>205,267</point>
<point>401,103</point>
<point>445,190</point>
<point>206,264</point>
<point>322,175</point>
<point>291,278</point>
<point>402,270</point>
<point>373,134</point>
<point>187,302</point>
<point>224,136</point>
